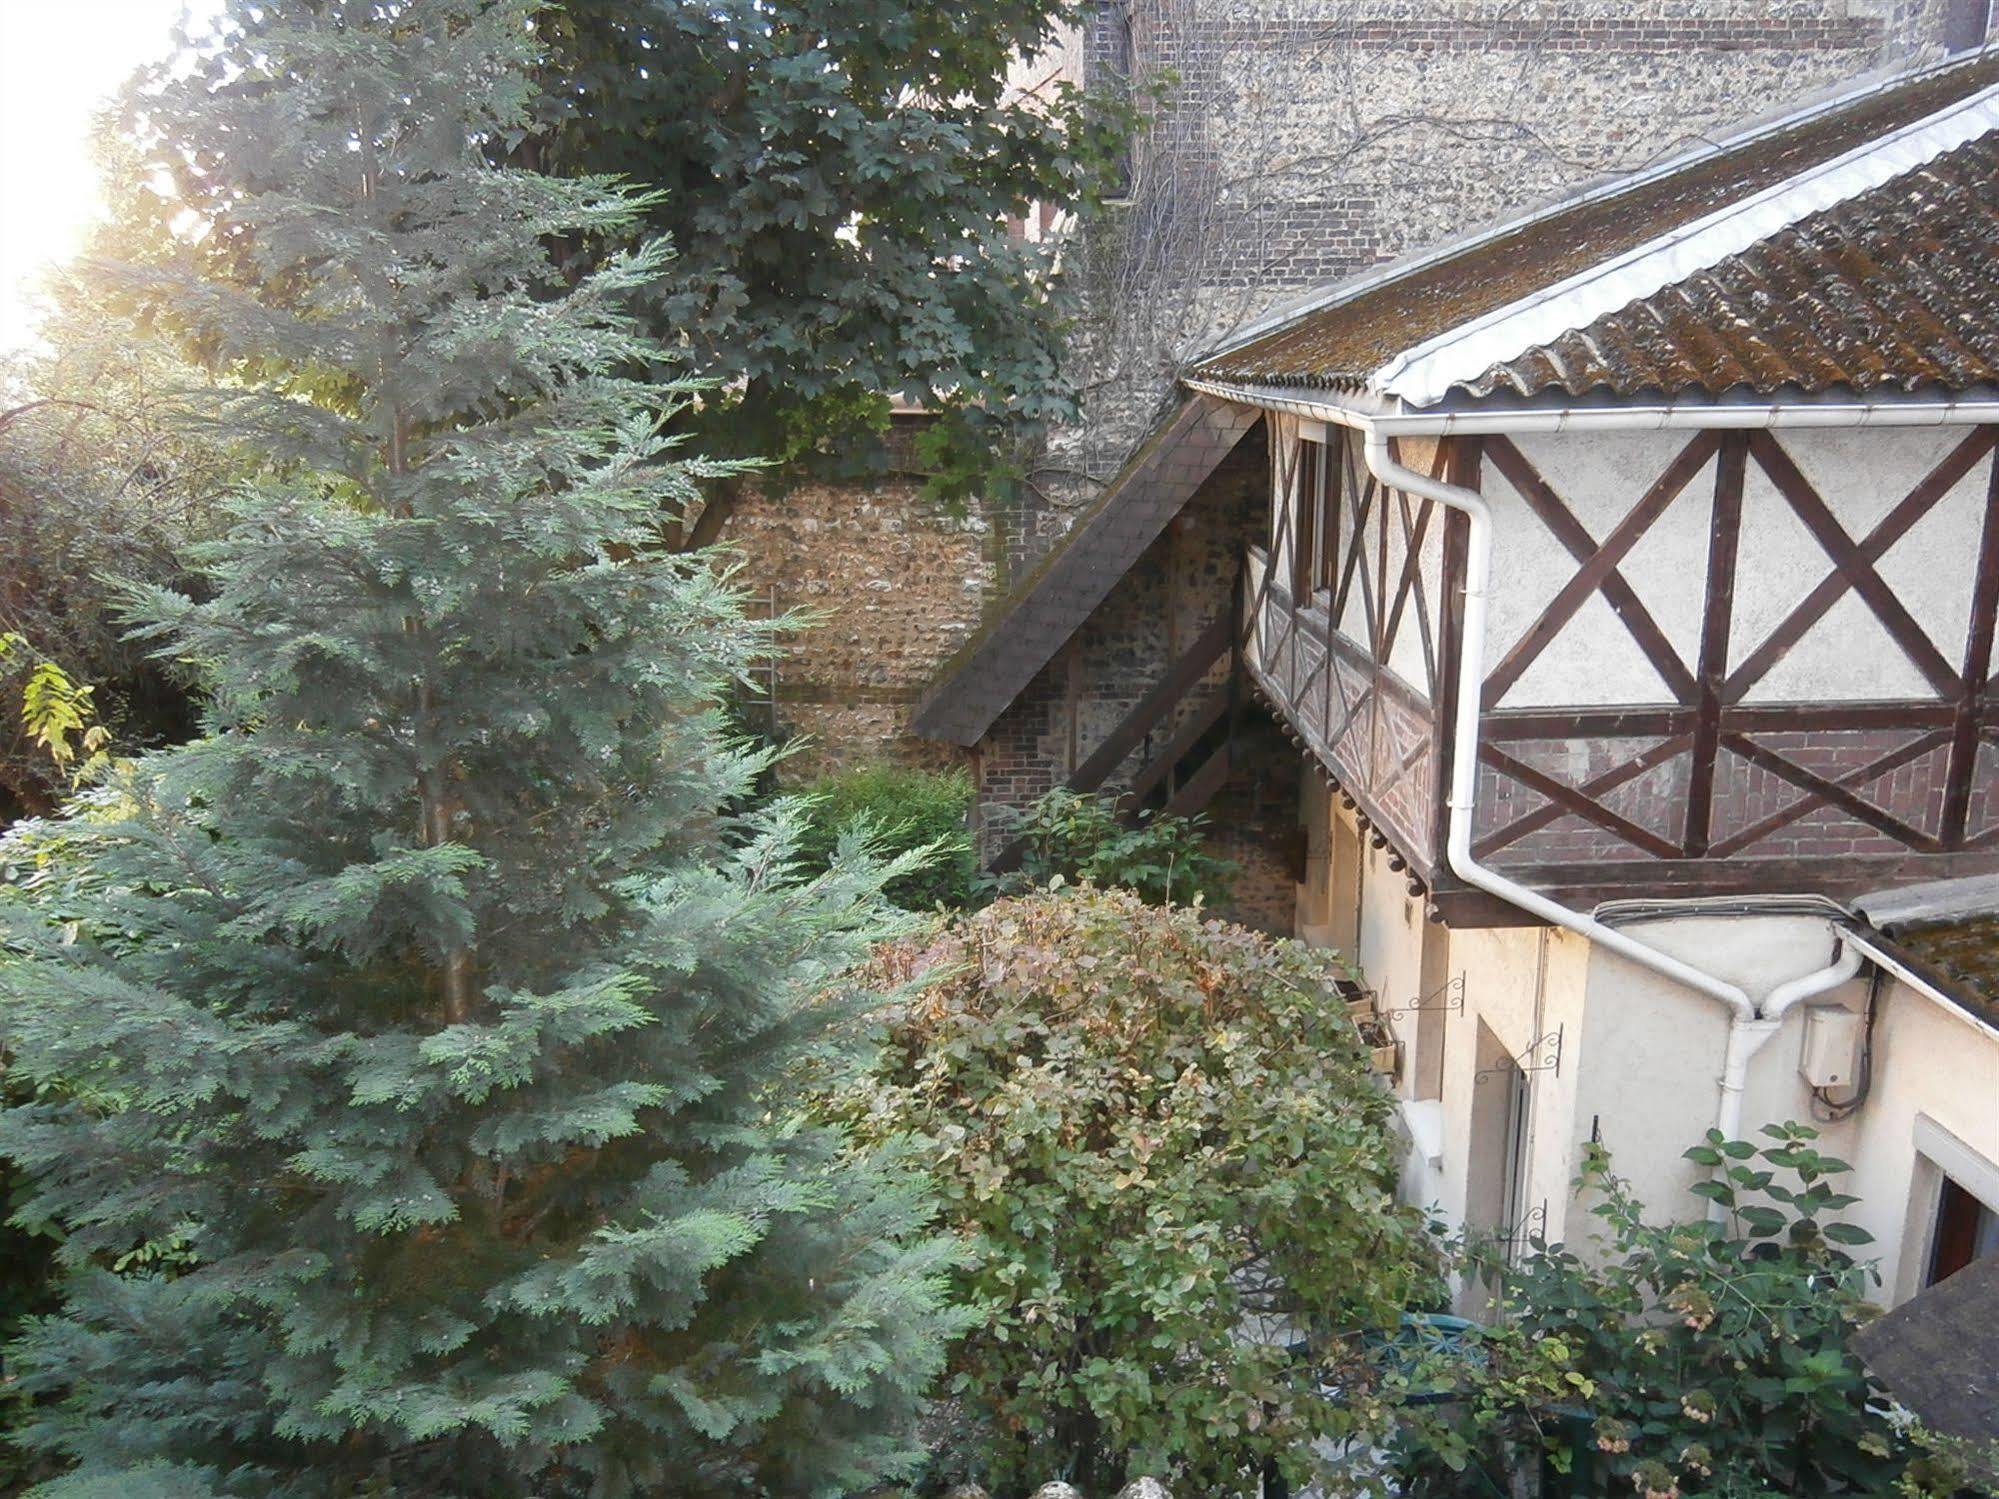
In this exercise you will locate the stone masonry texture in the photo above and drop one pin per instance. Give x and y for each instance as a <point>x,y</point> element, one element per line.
<point>1290,143</point>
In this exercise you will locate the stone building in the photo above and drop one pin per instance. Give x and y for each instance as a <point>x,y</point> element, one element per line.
<point>1289,144</point>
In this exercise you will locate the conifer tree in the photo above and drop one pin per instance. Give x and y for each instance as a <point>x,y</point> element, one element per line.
<point>409,1049</point>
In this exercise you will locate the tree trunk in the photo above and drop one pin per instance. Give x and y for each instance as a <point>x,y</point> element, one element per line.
<point>715,514</point>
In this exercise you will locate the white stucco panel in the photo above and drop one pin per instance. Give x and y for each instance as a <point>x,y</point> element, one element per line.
<point>1595,659</point>
<point>1846,655</point>
<point>1405,657</point>
<point>1932,569</point>
<point>1601,479</point>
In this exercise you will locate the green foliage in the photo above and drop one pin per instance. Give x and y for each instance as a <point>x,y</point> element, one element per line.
<point>1700,1358</point>
<point>898,809</point>
<point>58,715</point>
<point>85,495</point>
<point>1078,835</point>
<point>402,1062</point>
<point>1161,1133</point>
<point>836,176</point>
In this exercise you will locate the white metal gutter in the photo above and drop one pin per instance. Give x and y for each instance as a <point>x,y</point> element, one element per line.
<point>1361,408</point>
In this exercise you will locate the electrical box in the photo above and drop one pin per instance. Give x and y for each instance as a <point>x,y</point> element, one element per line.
<point>1832,1046</point>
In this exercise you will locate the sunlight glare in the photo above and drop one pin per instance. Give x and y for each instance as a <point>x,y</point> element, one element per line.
<point>60,62</point>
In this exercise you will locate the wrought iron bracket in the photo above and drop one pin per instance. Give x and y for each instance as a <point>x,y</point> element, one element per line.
<point>1543,1054</point>
<point>1447,997</point>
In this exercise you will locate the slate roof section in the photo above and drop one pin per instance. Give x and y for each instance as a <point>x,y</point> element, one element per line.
<point>1051,602</point>
<point>1843,247</point>
<point>1939,1353</point>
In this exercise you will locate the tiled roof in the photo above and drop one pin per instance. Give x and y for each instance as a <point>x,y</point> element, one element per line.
<point>1962,953</point>
<point>1947,931</point>
<point>1939,1356</point>
<point>1849,246</point>
<point>1894,288</point>
<point>1051,602</point>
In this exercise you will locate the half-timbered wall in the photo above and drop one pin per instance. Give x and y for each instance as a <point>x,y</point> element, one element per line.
<point>1715,660</point>
<point>1346,605</point>
<point>1721,660</point>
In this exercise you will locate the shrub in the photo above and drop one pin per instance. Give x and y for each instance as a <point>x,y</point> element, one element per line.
<point>1161,1135</point>
<point>1083,836</point>
<point>1697,1358</point>
<point>903,809</point>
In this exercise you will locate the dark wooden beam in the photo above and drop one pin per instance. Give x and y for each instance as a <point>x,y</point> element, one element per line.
<point>1514,724</point>
<point>1724,526</point>
<point>1977,671</point>
<point>1201,786</point>
<point>1181,678</point>
<point>1175,749</point>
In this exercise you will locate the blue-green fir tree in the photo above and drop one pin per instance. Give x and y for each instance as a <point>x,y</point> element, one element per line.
<point>409,1051</point>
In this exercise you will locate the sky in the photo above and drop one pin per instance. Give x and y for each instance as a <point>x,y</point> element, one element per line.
<point>60,60</point>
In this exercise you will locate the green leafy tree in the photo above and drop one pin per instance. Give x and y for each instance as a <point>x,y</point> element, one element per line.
<point>91,485</point>
<point>900,809</point>
<point>836,176</point>
<point>1683,1359</point>
<point>1161,1134</point>
<point>1082,835</point>
<point>403,1050</point>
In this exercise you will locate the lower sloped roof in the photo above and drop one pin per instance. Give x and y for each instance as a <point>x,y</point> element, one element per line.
<point>1051,602</point>
<point>1939,1354</point>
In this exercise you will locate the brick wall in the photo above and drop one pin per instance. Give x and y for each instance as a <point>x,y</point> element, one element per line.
<point>889,583</point>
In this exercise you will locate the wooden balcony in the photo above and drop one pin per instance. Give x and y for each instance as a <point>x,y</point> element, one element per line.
<point>1592,803</point>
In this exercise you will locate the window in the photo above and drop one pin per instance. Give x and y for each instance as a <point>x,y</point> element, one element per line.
<point>1307,484</point>
<point>1317,493</point>
<point>1965,1230</point>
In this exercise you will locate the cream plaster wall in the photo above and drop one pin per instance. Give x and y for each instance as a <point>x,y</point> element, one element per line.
<point>1845,656</point>
<point>1935,1091</point>
<point>1640,1059</point>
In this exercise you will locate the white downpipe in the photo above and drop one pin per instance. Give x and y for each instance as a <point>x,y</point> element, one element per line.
<point>1747,1037</point>
<point>1750,1025</point>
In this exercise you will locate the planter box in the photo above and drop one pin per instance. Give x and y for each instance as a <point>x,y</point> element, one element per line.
<point>1386,1059</point>
<point>1361,1007</point>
